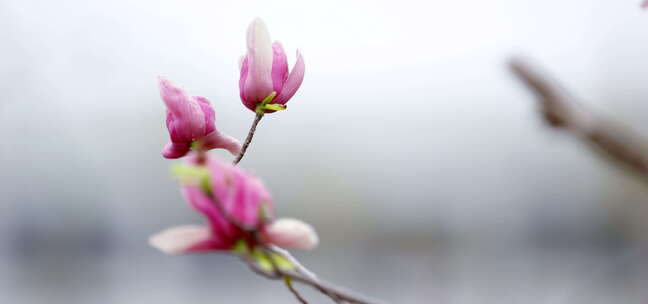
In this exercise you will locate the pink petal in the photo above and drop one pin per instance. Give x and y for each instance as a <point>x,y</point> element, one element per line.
<point>241,194</point>
<point>247,198</point>
<point>175,150</point>
<point>171,124</point>
<point>644,4</point>
<point>258,84</point>
<point>247,101</point>
<point>293,82</point>
<point>279,67</point>
<point>184,239</point>
<point>215,140</point>
<point>188,118</point>
<point>233,195</point>
<point>238,193</point>
<point>219,225</point>
<point>208,113</point>
<point>291,234</point>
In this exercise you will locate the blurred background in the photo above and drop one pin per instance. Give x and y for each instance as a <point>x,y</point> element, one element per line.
<point>419,158</point>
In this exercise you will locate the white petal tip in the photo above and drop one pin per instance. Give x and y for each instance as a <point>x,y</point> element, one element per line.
<point>292,234</point>
<point>179,240</point>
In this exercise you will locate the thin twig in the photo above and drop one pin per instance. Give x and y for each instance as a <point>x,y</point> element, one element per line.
<point>560,110</point>
<point>248,139</point>
<point>298,266</point>
<point>288,282</point>
<point>336,293</point>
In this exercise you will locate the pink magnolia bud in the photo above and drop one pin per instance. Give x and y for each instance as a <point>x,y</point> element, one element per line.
<point>291,234</point>
<point>241,195</point>
<point>644,4</point>
<point>191,119</point>
<point>264,69</point>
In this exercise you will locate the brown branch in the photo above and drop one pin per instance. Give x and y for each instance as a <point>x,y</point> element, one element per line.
<point>277,271</point>
<point>336,293</point>
<point>248,139</point>
<point>560,110</point>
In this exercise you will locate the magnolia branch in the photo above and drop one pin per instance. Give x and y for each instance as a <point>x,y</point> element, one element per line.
<point>560,110</point>
<point>338,294</point>
<point>299,274</point>
<point>249,137</point>
<point>302,275</point>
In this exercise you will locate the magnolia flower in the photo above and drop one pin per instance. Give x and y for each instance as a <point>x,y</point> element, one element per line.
<point>264,71</point>
<point>191,121</point>
<point>644,4</point>
<point>247,204</point>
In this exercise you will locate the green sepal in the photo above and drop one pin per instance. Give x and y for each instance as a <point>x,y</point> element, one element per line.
<point>195,145</point>
<point>265,260</point>
<point>274,107</point>
<point>189,174</point>
<point>240,248</point>
<point>264,213</point>
<point>260,108</point>
<point>268,98</point>
<point>193,175</point>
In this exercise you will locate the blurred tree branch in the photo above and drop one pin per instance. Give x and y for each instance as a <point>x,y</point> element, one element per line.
<point>560,110</point>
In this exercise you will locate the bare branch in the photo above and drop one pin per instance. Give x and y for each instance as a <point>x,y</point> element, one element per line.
<point>249,137</point>
<point>336,293</point>
<point>298,266</point>
<point>560,110</point>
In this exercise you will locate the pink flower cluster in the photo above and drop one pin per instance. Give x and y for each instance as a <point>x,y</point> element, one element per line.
<point>264,76</point>
<point>236,204</point>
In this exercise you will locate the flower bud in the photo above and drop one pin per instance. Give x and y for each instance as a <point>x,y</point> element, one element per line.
<point>191,121</point>
<point>264,70</point>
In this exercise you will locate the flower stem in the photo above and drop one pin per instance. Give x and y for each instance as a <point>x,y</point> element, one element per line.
<point>248,139</point>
